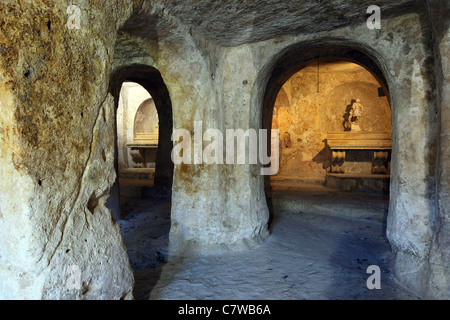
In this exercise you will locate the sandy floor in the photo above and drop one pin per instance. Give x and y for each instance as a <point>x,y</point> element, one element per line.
<point>307,256</point>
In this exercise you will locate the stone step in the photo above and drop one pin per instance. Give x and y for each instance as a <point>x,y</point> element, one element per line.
<point>137,173</point>
<point>328,201</point>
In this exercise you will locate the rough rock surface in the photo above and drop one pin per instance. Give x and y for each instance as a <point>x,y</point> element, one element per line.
<point>57,154</point>
<point>216,58</point>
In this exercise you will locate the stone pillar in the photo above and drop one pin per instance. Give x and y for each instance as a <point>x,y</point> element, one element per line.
<point>415,220</point>
<point>439,285</point>
<point>58,239</point>
<point>214,206</point>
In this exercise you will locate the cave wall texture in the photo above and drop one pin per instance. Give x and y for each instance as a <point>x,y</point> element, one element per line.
<point>58,94</point>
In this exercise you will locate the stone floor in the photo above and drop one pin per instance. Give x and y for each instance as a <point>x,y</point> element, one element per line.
<point>286,195</point>
<point>312,253</point>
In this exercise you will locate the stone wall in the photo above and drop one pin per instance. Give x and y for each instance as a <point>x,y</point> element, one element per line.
<point>146,119</point>
<point>57,153</point>
<point>57,134</point>
<point>439,281</point>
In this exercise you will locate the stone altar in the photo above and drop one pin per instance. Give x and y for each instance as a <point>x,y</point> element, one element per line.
<point>378,180</point>
<point>144,148</point>
<point>378,142</point>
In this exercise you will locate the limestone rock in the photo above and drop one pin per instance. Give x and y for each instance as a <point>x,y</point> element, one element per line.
<point>222,63</point>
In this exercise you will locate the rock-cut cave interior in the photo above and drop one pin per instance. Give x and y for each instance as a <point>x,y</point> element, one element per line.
<point>123,176</point>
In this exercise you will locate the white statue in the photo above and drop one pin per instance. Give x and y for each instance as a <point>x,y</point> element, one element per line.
<point>355,116</point>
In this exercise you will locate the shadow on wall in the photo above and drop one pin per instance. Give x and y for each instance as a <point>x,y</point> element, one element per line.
<point>323,157</point>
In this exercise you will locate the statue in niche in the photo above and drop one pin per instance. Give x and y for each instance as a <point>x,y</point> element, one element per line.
<point>286,141</point>
<point>354,116</point>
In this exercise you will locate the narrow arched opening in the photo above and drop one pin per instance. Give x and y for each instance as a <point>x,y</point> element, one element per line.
<point>144,170</point>
<point>137,140</point>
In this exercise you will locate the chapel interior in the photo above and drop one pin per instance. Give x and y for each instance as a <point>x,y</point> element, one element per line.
<point>356,105</point>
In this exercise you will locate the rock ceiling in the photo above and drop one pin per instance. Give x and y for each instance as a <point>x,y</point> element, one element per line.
<point>235,22</point>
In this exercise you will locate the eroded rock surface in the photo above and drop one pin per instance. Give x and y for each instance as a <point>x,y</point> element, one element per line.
<point>216,59</point>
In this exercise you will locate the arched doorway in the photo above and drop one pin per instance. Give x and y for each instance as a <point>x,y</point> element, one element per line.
<point>298,79</point>
<point>334,119</point>
<point>143,146</point>
<point>318,92</point>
